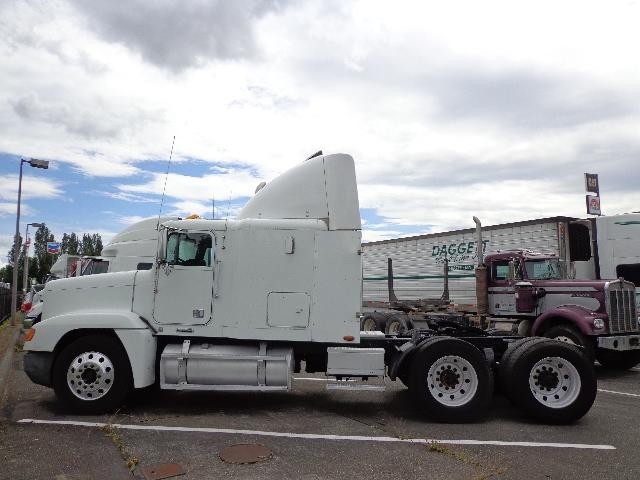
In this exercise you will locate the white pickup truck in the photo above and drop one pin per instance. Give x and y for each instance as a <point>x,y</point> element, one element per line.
<point>243,304</point>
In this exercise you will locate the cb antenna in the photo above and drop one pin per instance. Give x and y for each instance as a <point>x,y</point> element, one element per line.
<point>166,176</point>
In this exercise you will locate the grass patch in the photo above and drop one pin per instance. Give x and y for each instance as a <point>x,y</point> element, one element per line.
<point>485,471</point>
<point>130,460</point>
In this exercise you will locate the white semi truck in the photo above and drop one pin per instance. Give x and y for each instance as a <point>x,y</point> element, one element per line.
<point>243,304</point>
<point>132,249</point>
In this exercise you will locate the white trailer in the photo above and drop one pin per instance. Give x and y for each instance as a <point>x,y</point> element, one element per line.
<point>243,304</point>
<point>600,248</point>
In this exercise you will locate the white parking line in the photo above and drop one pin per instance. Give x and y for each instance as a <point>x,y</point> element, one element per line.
<point>619,393</point>
<point>315,436</point>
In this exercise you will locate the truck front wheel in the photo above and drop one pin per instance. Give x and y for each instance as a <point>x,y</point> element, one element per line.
<point>92,374</point>
<point>450,380</point>
<point>571,335</point>
<point>618,360</point>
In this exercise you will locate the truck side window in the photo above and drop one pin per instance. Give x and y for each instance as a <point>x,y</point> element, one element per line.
<point>189,249</point>
<point>579,242</point>
<point>500,270</point>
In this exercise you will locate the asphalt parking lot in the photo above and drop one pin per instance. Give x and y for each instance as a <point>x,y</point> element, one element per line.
<point>313,434</point>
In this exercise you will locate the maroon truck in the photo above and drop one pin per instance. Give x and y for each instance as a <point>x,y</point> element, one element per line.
<point>533,291</point>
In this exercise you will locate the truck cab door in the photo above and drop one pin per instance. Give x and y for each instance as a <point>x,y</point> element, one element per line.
<point>184,279</point>
<point>502,289</point>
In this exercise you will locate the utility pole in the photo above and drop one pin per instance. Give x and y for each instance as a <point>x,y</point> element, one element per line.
<point>16,239</point>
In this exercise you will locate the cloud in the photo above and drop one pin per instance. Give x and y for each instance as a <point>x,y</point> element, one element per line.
<point>178,35</point>
<point>32,187</point>
<point>8,209</point>
<point>232,184</point>
<point>90,120</point>
<point>6,242</point>
<point>523,99</point>
<point>377,235</point>
<point>446,115</point>
<point>128,197</point>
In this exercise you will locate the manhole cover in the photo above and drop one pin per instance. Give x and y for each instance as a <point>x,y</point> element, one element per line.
<point>245,453</point>
<point>162,470</point>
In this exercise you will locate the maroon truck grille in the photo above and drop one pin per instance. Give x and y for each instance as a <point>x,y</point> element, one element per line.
<point>621,307</point>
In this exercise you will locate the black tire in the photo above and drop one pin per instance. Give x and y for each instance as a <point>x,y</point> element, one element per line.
<point>618,360</point>
<point>404,378</point>
<point>503,372</point>
<point>458,365</point>
<point>568,389</point>
<point>104,363</point>
<point>397,324</point>
<point>571,335</point>
<point>372,322</point>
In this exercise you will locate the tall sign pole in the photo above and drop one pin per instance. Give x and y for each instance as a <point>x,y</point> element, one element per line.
<point>16,254</point>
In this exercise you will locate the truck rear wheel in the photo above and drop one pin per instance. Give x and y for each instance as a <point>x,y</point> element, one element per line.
<point>397,324</point>
<point>551,381</point>
<point>618,360</point>
<point>372,322</point>
<point>450,380</point>
<point>502,383</point>
<point>92,374</point>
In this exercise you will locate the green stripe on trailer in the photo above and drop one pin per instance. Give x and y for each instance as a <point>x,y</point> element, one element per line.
<point>418,277</point>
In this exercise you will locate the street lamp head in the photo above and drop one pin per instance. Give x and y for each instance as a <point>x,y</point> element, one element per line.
<point>34,162</point>
<point>37,225</point>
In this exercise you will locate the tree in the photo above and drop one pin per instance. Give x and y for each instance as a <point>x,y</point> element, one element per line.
<point>70,244</point>
<point>97,244</point>
<point>40,264</point>
<point>7,273</point>
<point>45,260</point>
<point>13,250</point>
<point>91,244</point>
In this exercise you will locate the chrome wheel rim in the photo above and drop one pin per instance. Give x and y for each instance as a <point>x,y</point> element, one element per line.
<point>555,382</point>
<point>453,381</point>
<point>90,376</point>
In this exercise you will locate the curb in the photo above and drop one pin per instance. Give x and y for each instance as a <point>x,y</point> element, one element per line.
<point>5,363</point>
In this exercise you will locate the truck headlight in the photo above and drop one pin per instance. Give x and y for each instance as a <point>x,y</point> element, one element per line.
<point>598,323</point>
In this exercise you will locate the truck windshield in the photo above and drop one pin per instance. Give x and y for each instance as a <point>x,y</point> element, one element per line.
<point>544,269</point>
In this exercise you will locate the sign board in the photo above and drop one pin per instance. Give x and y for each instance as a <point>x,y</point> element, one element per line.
<point>53,247</point>
<point>593,205</point>
<point>591,183</point>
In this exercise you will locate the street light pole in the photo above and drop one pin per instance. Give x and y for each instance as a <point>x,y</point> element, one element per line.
<point>25,269</point>
<point>16,239</point>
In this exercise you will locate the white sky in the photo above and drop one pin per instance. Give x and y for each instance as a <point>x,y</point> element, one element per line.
<point>451,109</point>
